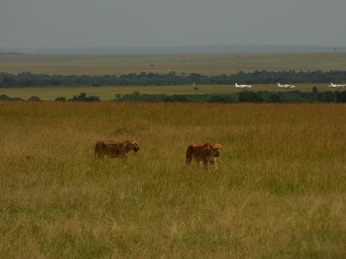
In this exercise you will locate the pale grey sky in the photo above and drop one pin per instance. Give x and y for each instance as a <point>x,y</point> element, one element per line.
<point>156,23</point>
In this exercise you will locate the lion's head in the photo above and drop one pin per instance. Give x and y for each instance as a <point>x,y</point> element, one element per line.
<point>213,148</point>
<point>133,145</point>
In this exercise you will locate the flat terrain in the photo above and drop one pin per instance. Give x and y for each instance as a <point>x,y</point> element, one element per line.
<point>279,193</point>
<point>108,93</point>
<point>212,64</point>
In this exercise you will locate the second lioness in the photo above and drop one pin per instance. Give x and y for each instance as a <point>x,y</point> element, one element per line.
<point>207,152</point>
<point>115,148</point>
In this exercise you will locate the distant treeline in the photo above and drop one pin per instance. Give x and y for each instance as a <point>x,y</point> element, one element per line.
<point>28,79</point>
<point>245,96</point>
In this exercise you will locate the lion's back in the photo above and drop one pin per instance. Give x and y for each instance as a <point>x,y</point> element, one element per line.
<point>194,150</point>
<point>202,152</point>
<point>108,147</point>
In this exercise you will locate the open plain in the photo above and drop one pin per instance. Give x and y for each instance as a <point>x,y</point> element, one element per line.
<point>108,93</point>
<point>206,64</point>
<point>279,192</point>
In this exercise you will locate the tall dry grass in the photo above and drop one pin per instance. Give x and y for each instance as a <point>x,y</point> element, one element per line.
<point>280,190</point>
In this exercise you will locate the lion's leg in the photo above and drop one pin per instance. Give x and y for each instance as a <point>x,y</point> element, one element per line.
<point>198,162</point>
<point>188,160</point>
<point>214,164</point>
<point>189,155</point>
<point>124,159</point>
<point>99,155</point>
<point>205,164</point>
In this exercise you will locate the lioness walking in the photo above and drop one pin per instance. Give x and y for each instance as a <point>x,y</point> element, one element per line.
<point>115,148</point>
<point>207,152</point>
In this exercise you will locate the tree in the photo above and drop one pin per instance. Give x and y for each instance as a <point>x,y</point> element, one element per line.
<point>5,97</point>
<point>247,96</point>
<point>340,96</point>
<point>274,98</point>
<point>328,97</point>
<point>83,98</point>
<point>315,94</point>
<point>60,99</point>
<point>34,98</point>
<point>92,99</point>
<point>8,80</point>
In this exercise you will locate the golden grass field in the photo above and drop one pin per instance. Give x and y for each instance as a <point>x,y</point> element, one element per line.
<point>279,193</point>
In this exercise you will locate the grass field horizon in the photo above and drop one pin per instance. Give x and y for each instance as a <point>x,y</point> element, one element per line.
<point>279,193</point>
<point>205,64</point>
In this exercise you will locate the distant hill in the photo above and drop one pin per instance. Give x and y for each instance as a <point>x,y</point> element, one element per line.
<point>211,49</point>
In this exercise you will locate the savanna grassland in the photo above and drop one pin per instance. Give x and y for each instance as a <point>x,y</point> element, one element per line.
<point>279,193</point>
<point>107,93</point>
<point>206,64</point>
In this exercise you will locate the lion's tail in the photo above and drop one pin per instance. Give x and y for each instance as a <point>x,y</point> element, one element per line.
<point>98,148</point>
<point>189,154</point>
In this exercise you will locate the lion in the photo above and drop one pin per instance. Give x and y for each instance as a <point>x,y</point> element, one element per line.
<point>115,148</point>
<point>207,152</point>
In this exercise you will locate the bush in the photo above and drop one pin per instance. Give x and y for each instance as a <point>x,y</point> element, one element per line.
<point>84,98</point>
<point>60,99</point>
<point>34,99</point>
<point>249,97</point>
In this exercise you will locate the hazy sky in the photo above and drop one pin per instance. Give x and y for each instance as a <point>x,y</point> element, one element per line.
<point>135,23</point>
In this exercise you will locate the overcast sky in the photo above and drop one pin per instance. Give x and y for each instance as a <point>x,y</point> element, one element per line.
<point>156,23</point>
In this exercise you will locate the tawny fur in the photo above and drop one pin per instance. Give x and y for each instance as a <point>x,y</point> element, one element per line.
<point>115,148</point>
<point>205,153</point>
